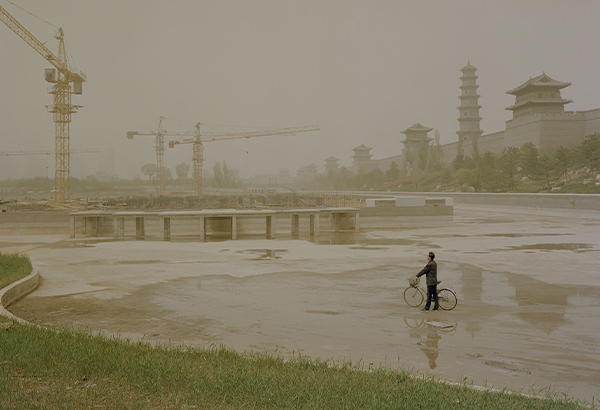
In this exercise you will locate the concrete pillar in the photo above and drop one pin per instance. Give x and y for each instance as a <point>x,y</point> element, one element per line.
<point>295,224</point>
<point>270,226</point>
<point>356,227</point>
<point>166,231</point>
<point>314,224</point>
<point>335,221</point>
<point>72,226</point>
<point>202,228</point>
<point>233,227</point>
<point>116,221</point>
<point>122,227</point>
<point>140,229</point>
<point>94,224</point>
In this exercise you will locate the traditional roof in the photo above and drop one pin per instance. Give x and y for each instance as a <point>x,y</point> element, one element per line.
<point>542,80</point>
<point>416,128</point>
<point>332,159</point>
<point>468,67</point>
<point>362,147</point>
<point>542,101</point>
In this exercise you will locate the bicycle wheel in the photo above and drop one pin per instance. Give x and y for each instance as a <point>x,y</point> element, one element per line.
<point>413,296</point>
<point>447,299</point>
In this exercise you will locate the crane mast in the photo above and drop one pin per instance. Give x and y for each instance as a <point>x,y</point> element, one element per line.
<point>62,106</point>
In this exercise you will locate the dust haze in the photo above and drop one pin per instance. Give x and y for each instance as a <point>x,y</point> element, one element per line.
<point>362,71</point>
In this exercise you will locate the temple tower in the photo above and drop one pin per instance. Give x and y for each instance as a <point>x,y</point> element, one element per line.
<point>416,148</point>
<point>469,119</point>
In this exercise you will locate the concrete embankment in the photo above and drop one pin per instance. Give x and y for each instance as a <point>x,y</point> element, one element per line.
<point>556,201</point>
<point>34,223</point>
<point>17,290</point>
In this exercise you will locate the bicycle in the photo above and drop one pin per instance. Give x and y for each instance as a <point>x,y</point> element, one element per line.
<point>414,295</point>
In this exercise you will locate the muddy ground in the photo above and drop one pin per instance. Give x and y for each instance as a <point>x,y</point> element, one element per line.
<point>528,315</point>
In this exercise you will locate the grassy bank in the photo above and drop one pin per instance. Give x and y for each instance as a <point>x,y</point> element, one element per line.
<point>13,267</point>
<point>43,368</point>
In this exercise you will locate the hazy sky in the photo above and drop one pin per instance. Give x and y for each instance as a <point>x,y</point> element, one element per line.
<point>362,70</point>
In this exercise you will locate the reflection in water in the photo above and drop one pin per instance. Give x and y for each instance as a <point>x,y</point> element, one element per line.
<point>429,346</point>
<point>530,293</point>
<point>429,336</point>
<point>337,238</point>
<point>472,284</point>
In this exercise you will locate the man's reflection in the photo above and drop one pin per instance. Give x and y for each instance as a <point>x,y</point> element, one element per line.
<point>429,345</point>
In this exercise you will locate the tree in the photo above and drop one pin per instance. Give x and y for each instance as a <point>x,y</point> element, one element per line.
<point>228,176</point>
<point>488,171</point>
<point>548,167</point>
<point>149,170</point>
<point>508,165</point>
<point>589,152</point>
<point>530,160</point>
<point>408,163</point>
<point>182,170</point>
<point>423,154</point>
<point>393,172</point>
<point>436,154</point>
<point>374,178</point>
<point>470,177</point>
<point>223,175</point>
<point>564,160</point>
<point>218,174</point>
<point>167,174</point>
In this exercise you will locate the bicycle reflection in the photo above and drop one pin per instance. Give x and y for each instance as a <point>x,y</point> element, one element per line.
<point>429,336</point>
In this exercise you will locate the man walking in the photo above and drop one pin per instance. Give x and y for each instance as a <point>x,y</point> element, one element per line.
<point>430,270</point>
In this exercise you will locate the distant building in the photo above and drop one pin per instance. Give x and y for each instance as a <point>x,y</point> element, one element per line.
<point>539,117</point>
<point>416,138</point>
<point>362,159</point>
<point>331,165</point>
<point>307,173</point>
<point>469,119</point>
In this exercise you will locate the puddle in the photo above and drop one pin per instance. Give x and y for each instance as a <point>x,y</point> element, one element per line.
<point>550,247</point>
<point>324,312</point>
<point>524,235</point>
<point>369,248</point>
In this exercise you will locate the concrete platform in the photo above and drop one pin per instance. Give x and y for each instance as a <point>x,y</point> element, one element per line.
<point>527,282</point>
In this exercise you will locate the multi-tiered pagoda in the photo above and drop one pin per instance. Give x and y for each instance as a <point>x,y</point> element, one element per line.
<point>469,119</point>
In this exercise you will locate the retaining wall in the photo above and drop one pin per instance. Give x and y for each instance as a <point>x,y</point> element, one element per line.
<point>17,290</point>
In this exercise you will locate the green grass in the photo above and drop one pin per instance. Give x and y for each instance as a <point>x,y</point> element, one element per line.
<point>13,267</point>
<point>45,368</point>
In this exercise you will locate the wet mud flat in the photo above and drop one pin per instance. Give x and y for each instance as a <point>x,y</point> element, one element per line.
<point>527,316</point>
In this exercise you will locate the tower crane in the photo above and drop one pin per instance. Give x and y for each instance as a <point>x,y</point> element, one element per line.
<point>62,107</point>
<point>200,138</point>
<point>159,147</point>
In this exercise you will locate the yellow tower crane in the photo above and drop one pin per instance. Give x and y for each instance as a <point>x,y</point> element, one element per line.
<point>159,147</point>
<point>200,138</point>
<point>62,108</point>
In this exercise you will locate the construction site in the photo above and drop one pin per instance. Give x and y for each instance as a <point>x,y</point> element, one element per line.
<point>286,269</point>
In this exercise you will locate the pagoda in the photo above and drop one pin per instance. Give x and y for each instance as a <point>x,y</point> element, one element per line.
<point>538,95</point>
<point>469,119</point>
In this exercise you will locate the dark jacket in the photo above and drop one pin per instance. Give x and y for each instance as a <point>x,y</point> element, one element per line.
<point>431,271</point>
